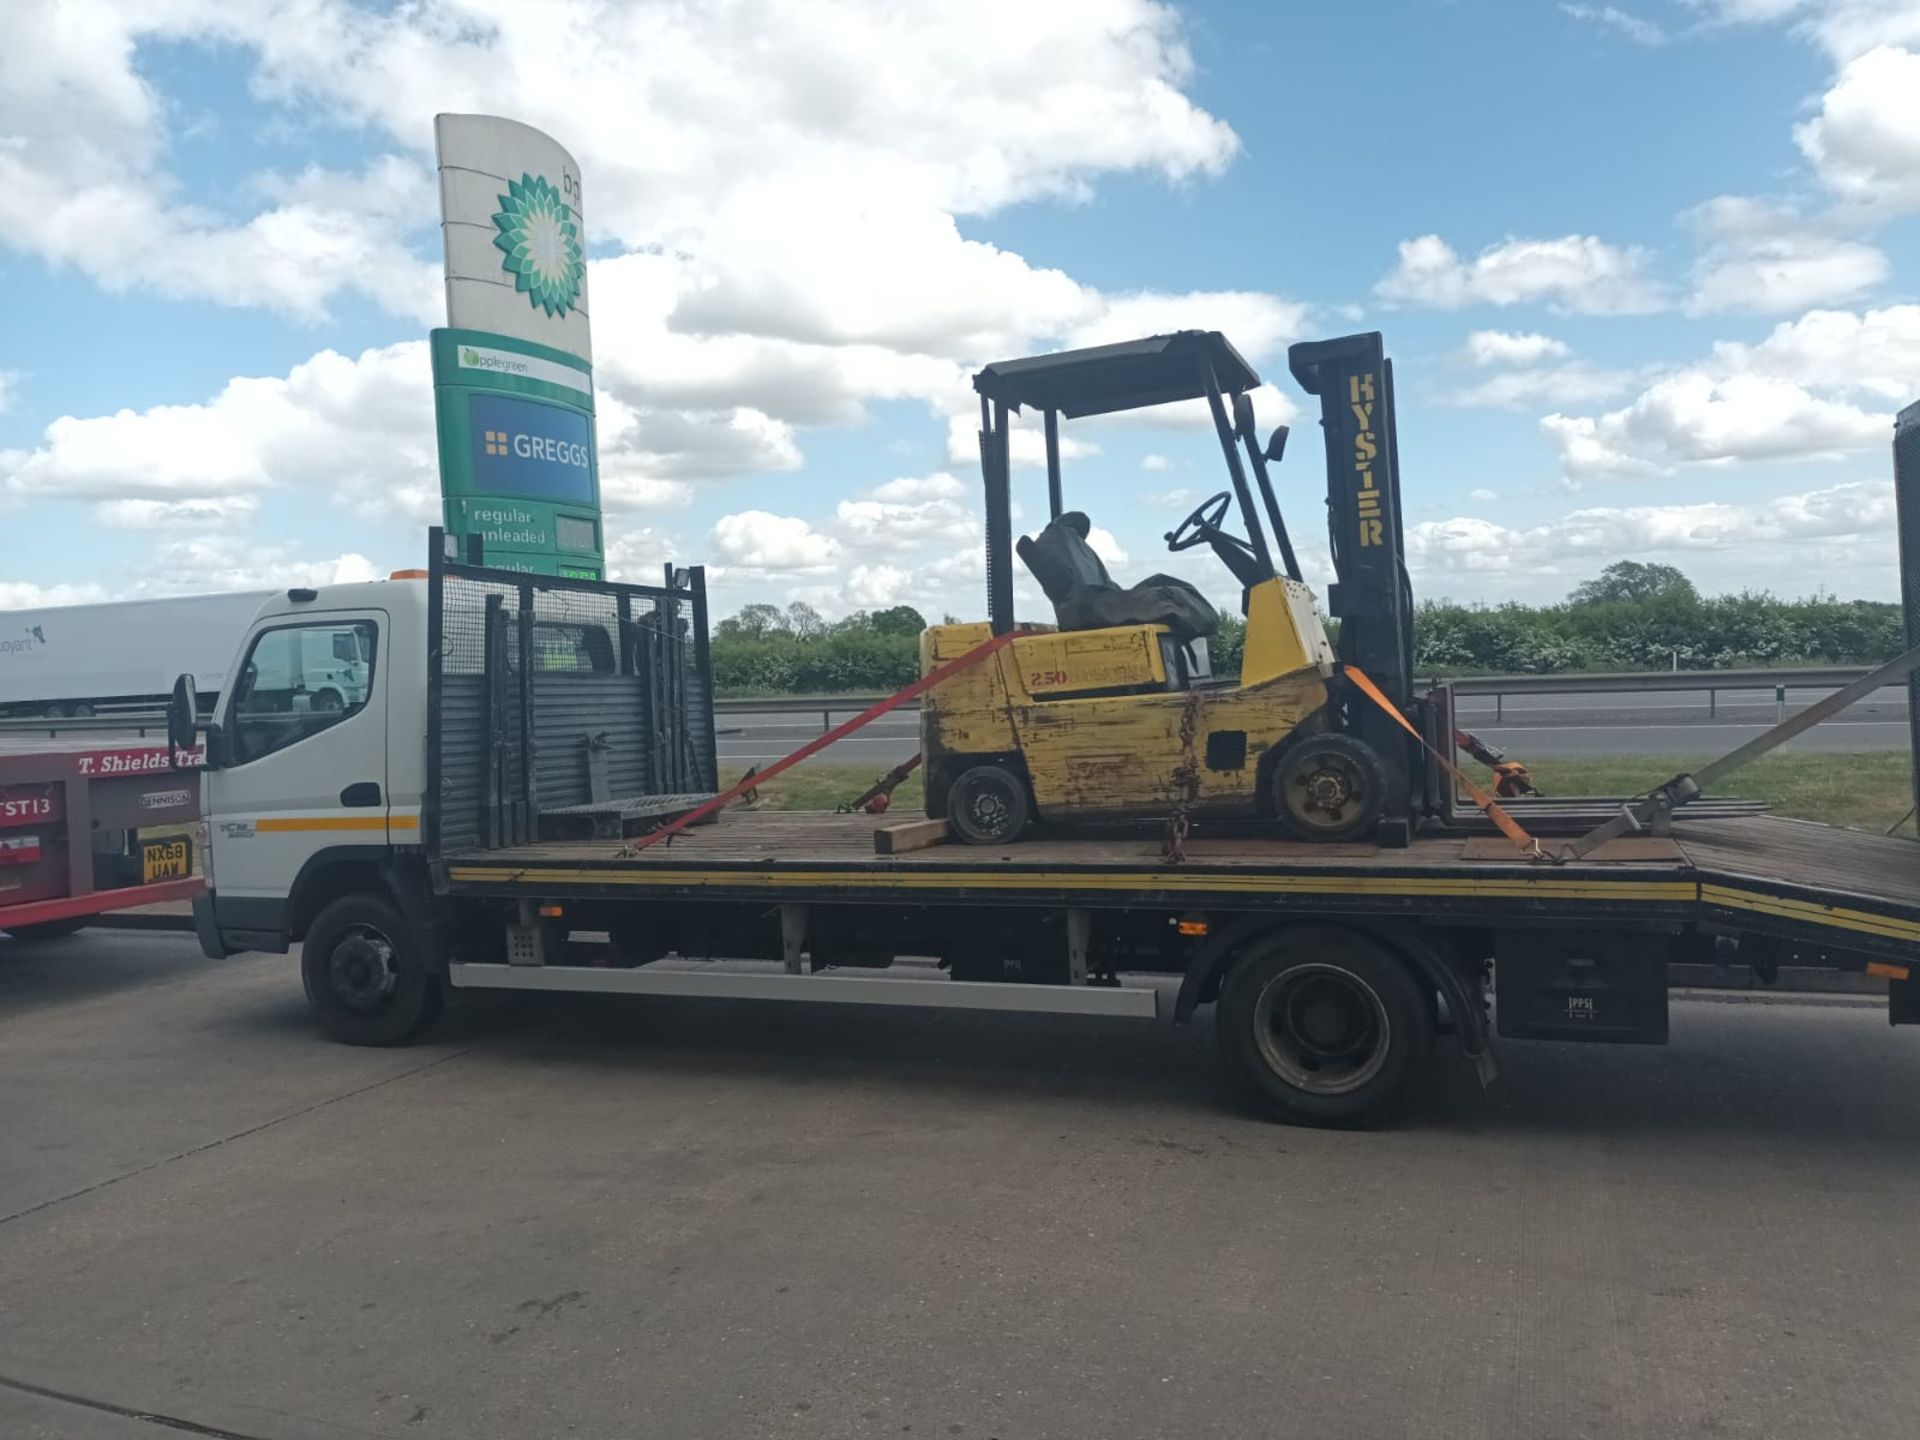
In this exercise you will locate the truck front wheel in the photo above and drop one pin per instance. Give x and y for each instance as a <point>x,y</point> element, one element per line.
<point>365,975</point>
<point>1324,1026</point>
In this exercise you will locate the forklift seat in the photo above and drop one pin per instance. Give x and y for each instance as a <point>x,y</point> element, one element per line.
<point>1085,597</point>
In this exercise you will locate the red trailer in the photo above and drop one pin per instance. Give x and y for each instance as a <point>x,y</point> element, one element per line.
<point>88,826</point>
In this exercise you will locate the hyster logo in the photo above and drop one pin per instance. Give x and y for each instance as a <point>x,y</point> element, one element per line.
<point>1360,394</point>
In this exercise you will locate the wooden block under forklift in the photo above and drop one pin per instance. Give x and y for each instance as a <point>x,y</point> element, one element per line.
<point>908,835</point>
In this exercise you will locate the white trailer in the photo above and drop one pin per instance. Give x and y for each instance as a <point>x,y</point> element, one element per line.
<point>79,659</point>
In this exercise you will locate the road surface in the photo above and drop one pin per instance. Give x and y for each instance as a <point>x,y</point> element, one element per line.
<point>1531,727</point>
<point>672,1219</point>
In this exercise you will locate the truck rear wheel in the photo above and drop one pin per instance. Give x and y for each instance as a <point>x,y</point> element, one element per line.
<point>1324,1026</point>
<point>365,975</point>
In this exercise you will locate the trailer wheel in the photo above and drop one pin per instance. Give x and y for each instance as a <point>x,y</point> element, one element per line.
<point>364,974</point>
<point>1329,787</point>
<point>987,805</point>
<point>1324,1026</point>
<point>48,929</point>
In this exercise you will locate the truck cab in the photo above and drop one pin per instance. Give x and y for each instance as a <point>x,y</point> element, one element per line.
<point>315,757</point>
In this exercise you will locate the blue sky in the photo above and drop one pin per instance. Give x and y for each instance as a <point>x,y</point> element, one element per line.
<point>1648,274</point>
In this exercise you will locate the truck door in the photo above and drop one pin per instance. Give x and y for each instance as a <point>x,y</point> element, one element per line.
<point>305,762</point>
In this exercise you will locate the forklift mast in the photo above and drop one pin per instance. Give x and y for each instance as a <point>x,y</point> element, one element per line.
<point>1371,595</point>
<point>1906,501</point>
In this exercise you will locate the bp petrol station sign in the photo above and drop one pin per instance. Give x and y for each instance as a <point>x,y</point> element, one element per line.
<point>513,369</point>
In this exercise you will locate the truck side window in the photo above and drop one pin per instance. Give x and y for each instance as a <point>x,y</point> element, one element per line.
<point>299,680</point>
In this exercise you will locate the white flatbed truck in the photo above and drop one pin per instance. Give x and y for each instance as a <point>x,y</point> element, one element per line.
<point>470,821</point>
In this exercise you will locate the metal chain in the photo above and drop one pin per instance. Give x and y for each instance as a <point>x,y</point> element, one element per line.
<point>1186,785</point>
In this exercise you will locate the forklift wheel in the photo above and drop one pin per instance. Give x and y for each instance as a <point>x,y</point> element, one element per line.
<point>987,805</point>
<point>1329,787</point>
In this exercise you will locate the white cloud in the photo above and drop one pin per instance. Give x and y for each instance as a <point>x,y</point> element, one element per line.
<point>1502,347</point>
<point>357,428</point>
<point>786,262</point>
<point>1155,463</point>
<point>1807,536</point>
<point>889,525</point>
<point>9,390</point>
<point>127,232</point>
<point>868,132</point>
<point>1844,28</point>
<point>1103,544</point>
<point>673,444</point>
<point>1876,352</point>
<point>1865,142</point>
<point>1271,406</point>
<point>1256,324</point>
<point>360,429</point>
<point>1636,28</point>
<point>759,540</point>
<point>1578,273</point>
<point>1026,442</point>
<point>1482,494</point>
<point>200,513</point>
<point>1694,418</point>
<point>636,554</point>
<point>1811,389</point>
<point>25,595</point>
<point>872,587</point>
<point>1575,383</point>
<point>206,564</point>
<point>909,488</point>
<point>1765,259</point>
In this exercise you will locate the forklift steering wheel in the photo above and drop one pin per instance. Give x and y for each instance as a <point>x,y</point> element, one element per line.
<point>1204,520</point>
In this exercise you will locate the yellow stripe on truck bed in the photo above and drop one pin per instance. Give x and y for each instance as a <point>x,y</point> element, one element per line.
<point>1210,882</point>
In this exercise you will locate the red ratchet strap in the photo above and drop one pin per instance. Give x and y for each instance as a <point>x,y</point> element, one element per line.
<point>820,742</point>
<point>1508,826</point>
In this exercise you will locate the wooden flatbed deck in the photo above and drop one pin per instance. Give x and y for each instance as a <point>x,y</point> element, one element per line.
<point>1811,883</point>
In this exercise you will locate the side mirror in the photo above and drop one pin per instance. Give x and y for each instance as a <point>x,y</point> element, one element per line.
<point>183,718</point>
<point>1243,415</point>
<point>1277,444</point>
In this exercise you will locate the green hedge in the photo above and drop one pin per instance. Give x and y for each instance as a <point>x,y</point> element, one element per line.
<point>1632,617</point>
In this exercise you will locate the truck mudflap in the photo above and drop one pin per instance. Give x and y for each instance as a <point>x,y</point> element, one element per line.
<point>1903,998</point>
<point>207,929</point>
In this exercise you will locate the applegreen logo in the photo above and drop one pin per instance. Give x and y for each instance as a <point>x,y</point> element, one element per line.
<point>541,237</point>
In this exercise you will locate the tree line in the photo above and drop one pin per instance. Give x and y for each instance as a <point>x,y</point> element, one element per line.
<point>1633,616</point>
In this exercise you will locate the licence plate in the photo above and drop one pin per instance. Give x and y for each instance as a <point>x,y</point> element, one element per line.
<point>170,859</point>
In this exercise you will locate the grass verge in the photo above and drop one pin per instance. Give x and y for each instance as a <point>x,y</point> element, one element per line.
<point>1870,790</point>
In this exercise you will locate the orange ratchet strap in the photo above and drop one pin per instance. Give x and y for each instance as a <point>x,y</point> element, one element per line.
<point>1509,827</point>
<point>756,777</point>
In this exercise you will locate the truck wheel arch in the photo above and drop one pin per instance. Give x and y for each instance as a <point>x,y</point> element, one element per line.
<point>1201,983</point>
<point>364,870</point>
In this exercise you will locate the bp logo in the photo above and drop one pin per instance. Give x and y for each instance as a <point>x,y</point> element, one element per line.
<point>541,238</point>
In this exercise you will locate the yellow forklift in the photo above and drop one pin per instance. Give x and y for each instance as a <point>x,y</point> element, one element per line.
<point>1113,712</point>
